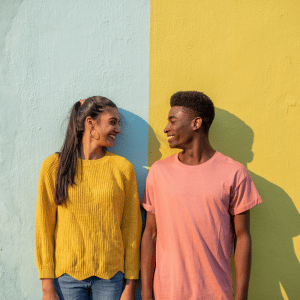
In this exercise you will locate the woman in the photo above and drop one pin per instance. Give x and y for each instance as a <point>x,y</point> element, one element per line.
<point>88,220</point>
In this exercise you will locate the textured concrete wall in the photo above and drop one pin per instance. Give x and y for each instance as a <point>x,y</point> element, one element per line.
<point>53,53</point>
<point>245,56</point>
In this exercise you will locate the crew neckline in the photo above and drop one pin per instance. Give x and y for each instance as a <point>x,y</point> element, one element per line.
<point>92,162</point>
<point>205,164</point>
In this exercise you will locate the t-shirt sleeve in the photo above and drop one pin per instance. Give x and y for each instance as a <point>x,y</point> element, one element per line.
<point>148,198</point>
<point>244,195</point>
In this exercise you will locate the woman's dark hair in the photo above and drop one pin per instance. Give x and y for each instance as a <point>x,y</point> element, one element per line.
<point>199,103</point>
<point>71,149</point>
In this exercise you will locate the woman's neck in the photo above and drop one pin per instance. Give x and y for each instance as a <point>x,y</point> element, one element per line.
<point>89,149</point>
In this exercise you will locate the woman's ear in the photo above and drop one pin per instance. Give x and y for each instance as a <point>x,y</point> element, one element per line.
<point>197,122</point>
<point>89,122</point>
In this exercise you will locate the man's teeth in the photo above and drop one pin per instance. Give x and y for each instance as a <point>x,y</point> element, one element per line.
<point>170,136</point>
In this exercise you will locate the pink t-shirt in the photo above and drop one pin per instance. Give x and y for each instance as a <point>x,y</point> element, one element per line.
<point>192,205</point>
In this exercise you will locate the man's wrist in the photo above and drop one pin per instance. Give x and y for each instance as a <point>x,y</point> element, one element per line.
<point>147,293</point>
<point>241,296</point>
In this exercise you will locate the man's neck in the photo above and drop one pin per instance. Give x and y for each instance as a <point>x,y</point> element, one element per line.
<point>198,153</point>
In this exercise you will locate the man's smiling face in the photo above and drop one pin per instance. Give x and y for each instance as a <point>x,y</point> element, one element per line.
<point>179,129</point>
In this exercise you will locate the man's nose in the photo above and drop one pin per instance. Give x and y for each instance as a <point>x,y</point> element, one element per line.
<point>166,129</point>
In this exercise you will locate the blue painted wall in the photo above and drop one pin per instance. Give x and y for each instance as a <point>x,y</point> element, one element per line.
<point>53,53</point>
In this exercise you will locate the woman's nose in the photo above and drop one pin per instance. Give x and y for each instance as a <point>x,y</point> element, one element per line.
<point>118,129</point>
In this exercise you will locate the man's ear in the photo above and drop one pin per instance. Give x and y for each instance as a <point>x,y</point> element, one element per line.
<point>197,122</point>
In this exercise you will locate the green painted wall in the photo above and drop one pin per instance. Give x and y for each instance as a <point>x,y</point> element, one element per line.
<point>53,53</point>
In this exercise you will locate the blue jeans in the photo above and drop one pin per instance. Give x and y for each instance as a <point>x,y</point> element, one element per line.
<point>92,288</point>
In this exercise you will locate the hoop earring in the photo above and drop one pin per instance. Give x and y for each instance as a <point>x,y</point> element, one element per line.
<point>93,135</point>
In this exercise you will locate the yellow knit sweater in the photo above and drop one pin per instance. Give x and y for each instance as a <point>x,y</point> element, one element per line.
<point>96,232</point>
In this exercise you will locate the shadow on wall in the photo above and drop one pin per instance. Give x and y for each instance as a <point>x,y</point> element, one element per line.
<point>154,146</point>
<point>132,143</point>
<point>273,223</point>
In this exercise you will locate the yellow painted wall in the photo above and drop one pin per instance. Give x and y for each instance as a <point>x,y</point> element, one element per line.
<point>245,55</point>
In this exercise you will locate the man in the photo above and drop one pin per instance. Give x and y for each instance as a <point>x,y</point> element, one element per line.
<point>196,202</point>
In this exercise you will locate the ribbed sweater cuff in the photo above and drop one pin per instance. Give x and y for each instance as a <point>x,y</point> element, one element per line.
<point>132,274</point>
<point>46,274</point>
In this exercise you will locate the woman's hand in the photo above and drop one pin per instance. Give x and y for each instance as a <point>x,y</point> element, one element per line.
<point>128,295</point>
<point>50,296</point>
<point>129,290</point>
<point>48,288</point>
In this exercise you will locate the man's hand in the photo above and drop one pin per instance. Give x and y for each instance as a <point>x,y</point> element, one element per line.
<point>149,297</point>
<point>48,289</point>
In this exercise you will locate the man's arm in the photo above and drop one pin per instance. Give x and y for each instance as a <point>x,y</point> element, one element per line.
<point>242,254</point>
<point>148,256</point>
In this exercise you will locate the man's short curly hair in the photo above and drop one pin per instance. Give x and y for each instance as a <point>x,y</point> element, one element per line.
<point>199,103</point>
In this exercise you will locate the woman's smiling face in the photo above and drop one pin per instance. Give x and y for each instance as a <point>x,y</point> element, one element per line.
<point>107,125</point>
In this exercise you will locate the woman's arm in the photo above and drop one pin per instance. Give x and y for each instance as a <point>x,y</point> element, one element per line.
<point>48,289</point>
<point>45,221</point>
<point>131,227</point>
<point>148,257</point>
<point>129,290</point>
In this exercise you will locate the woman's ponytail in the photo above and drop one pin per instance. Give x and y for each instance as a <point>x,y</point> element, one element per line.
<point>68,157</point>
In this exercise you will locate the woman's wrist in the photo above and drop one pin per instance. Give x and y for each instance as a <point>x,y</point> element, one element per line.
<point>130,284</point>
<point>48,285</point>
